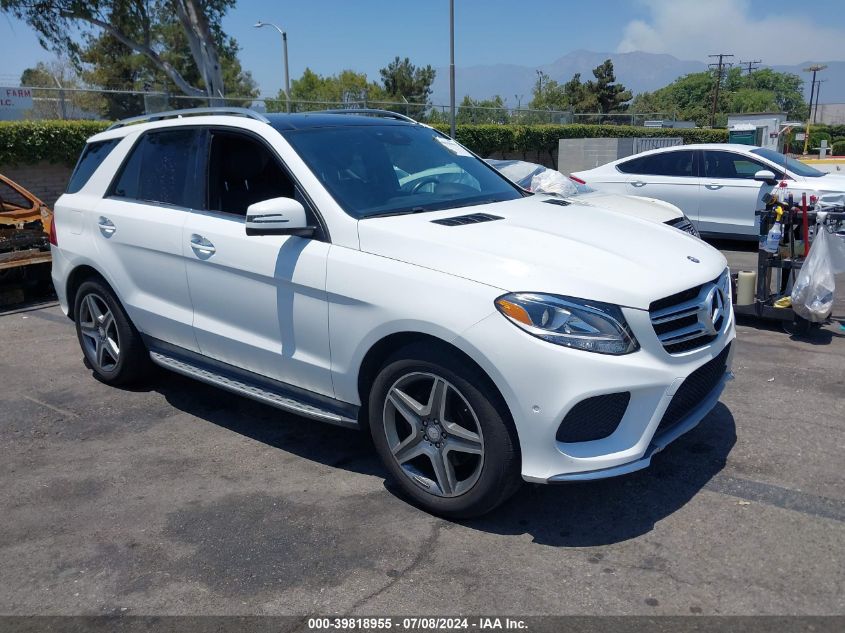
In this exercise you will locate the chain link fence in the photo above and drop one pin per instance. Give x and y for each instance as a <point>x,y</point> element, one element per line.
<point>101,104</point>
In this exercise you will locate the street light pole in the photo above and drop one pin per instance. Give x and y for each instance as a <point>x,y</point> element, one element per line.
<point>452,67</point>
<point>284,35</point>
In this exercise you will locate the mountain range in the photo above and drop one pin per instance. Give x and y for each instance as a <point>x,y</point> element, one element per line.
<point>638,71</point>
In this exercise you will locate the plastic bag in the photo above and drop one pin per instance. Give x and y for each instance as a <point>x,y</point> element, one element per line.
<point>812,295</point>
<point>551,181</point>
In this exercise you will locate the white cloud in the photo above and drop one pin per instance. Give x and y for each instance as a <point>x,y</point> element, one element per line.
<point>693,29</point>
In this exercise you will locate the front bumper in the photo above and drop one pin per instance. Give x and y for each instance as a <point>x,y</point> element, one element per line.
<point>542,382</point>
<point>660,440</point>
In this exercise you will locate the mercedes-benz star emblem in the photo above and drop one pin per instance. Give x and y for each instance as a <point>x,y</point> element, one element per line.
<point>694,260</point>
<point>715,310</point>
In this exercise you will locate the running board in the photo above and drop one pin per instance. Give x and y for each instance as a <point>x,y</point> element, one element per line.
<point>278,396</point>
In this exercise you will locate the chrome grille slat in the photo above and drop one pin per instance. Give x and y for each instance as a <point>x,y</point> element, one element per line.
<point>684,334</point>
<point>675,312</point>
<point>697,321</point>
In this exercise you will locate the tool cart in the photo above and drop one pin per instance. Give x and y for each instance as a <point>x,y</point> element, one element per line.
<point>786,234</point>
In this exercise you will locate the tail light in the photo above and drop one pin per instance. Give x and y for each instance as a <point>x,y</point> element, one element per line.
<point>54,240</point>
<point>578,180</point>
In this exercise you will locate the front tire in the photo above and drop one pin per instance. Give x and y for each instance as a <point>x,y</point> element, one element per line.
<point>444,433</point>
<point>112,346</point>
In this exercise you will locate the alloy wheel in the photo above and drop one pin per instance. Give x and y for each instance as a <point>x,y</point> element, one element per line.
<point>433,434</point>
<point>100,336</point>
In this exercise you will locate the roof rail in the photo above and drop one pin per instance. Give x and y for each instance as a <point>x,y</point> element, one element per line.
<point>387,114</point>
<point>178,114</point>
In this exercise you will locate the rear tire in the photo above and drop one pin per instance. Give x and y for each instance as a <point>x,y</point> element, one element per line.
<point>112,346</point>
<point>443,432</point>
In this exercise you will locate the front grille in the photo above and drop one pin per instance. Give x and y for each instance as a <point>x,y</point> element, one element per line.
<point>472,218</point>
<point>683,224</point>
<point>594,418</point>
<point>694,390</point>
<point>692,318</point>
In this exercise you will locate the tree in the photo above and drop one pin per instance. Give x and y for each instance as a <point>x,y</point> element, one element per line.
<point>316,92</point>
<point>146,27</point>
<point>482,111</point>
<point>689,97</point>
<point>59,99</point>
<point>610,96</point>
<point>404,82</point>
<point>602,95</point>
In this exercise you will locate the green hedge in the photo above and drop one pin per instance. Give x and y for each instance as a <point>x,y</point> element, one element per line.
<point>839,148</point>
<point>28,142</point>
<point>489,139</point>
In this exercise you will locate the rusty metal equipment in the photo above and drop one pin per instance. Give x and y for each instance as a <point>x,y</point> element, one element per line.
<point>24,227</point>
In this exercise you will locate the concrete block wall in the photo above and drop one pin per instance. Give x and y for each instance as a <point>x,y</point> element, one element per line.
<point>45,180</point>
<point>576,154</point>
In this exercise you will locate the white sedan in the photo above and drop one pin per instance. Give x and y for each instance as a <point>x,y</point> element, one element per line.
<point>540,179</point>
<point>718,186</point>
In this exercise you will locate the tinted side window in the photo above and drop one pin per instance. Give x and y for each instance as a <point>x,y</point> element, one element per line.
<point>92,157</point>
<point>678,163</point>
<point>163,167</point>
<point>241,172</point>
<point>730,165</point>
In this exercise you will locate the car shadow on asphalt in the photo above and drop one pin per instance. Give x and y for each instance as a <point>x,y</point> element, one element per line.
<point>816,335</point>
<point>612,510</point>
<point>570,515</point>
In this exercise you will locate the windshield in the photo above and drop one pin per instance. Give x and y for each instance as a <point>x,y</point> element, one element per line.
<point>795,166</point>
<point>377,170</point>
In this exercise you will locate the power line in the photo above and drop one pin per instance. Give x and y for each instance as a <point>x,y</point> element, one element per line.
<point>719,67</point>
<point>751,66</point>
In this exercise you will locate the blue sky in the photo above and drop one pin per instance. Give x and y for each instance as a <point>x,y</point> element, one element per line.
<point>329,35</point>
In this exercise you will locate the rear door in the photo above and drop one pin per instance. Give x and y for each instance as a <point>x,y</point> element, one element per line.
<point>669,175</point>
<point>729,193</point>
<point>138,232</point>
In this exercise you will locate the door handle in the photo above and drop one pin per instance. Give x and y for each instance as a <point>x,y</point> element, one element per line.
<point>638,183</point>
<point>202,245</point>
<point>107,227</point>
<point>713,187</point>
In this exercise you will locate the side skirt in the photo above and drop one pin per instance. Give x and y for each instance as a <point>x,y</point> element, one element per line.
<point>250,385</point>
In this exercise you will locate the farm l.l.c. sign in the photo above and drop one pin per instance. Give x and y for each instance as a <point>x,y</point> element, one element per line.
<point>15,98</point>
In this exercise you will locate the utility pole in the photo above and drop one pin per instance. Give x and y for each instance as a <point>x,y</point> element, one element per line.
<point>752,65</point>
<point>719,66</point>
<point>818,92</point>
<point>815,68</point>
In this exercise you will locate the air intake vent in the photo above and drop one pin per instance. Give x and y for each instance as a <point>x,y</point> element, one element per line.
<point>594,418</point>
<point>473,218</point>
<point>558,201</point>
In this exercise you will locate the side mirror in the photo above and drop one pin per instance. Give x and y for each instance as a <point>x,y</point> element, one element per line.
<point>766,176</point>
<point>277,216</point>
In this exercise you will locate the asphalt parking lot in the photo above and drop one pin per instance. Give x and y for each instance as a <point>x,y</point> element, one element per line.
<point>179,498</point>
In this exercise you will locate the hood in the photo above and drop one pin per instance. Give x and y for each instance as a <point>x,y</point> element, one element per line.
<point>575,250</point>
<point>828,182</point>
<point>637,206</point>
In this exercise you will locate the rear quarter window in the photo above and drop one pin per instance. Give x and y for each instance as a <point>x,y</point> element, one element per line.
<point>92,157</point>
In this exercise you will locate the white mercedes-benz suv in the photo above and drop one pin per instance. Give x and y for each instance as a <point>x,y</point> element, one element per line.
<point>482,334</point>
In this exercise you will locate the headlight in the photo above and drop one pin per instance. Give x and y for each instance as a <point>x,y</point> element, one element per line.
<point>591,326</point>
